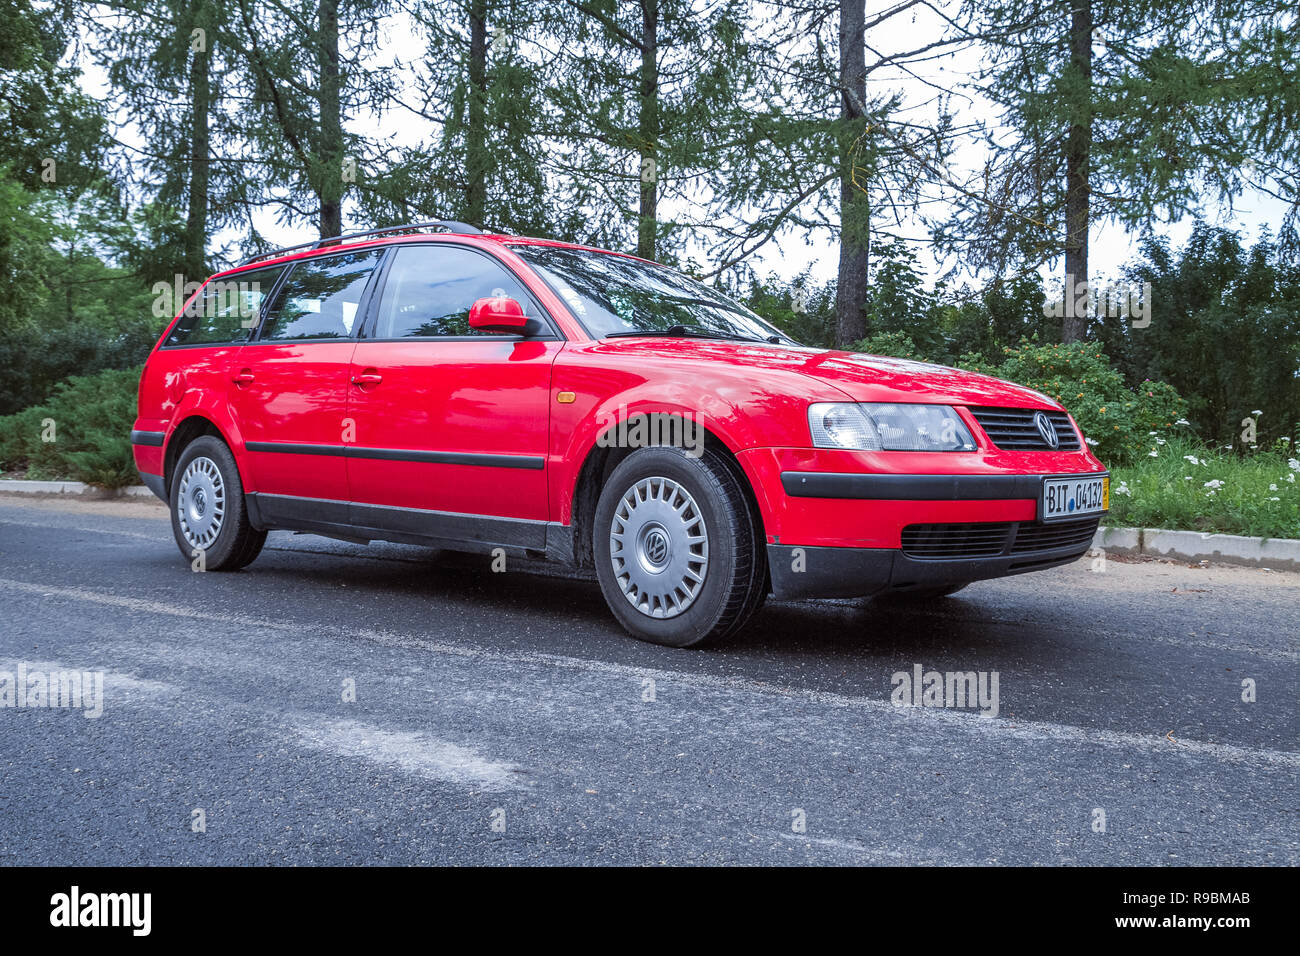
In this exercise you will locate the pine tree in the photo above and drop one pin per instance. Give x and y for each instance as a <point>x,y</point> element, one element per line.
<point>818,151</point>
<point>171,64</point>
<point>481,86</point>
<point>641,98</point>
<point>305,86</point>
<point>1132,111</point>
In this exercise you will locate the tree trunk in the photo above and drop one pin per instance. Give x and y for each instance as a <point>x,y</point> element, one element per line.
<point>648,130</point>
<point>1077,195</point>
<point>476,158</point>
<point>330,150</point>
<point>855,207</point>
<point>196,216</point>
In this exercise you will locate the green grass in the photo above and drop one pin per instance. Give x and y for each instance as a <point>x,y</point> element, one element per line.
<point>1259,495</point>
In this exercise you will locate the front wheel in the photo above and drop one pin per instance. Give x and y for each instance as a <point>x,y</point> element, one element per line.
<point>209,517</point>
<point>679,555</point>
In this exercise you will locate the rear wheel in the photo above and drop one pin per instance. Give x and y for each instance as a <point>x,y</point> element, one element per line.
<point>679,556</point>
<point>209,516</point>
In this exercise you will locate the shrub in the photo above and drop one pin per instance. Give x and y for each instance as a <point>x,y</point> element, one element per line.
<point>1120,423</point>
<point>81,432</point>
<point>36,359</point>
<point>891,344</point>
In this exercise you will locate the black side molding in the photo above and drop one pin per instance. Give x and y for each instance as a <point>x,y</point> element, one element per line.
<point>529,462</point>
<point>357,521</point>
<point>817,484</point>
<point>333,451</point>
<point>153,439</point>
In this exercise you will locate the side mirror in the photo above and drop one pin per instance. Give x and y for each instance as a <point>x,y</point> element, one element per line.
<point>501,314</point>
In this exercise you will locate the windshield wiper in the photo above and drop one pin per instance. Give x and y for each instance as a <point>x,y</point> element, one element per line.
<point>673,331</point>
<point>681,331</point>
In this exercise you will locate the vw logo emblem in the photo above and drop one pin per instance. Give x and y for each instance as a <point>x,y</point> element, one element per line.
<point>1046,429</point>
<point>656,547</point>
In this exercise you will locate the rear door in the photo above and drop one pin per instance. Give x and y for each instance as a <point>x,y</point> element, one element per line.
<point>202,345</point>
<point>289,388</point>
<point>451,427</point>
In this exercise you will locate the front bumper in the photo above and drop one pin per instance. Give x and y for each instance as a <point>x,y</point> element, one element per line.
<point>841,524</point>
<point>931,555</point>
<point>812,497</point>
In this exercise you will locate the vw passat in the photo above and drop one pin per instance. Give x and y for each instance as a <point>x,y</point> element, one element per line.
<point>438,386</point>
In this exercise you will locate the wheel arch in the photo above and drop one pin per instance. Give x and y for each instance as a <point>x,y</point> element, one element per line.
<point>603,456</point>
<point>186,431</point>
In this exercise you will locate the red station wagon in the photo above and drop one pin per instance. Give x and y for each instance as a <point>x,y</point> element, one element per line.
<point>434,385</point>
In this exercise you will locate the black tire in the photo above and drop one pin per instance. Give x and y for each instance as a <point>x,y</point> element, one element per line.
<point>733,575</point>
<point>208,477</point>
<point>921,594</point>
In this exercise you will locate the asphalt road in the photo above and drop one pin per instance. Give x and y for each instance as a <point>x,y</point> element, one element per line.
<point>502,718</point>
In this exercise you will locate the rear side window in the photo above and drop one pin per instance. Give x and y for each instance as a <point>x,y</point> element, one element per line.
<point>320,299</point>
<point>429,290</point>
<point>225,310</point>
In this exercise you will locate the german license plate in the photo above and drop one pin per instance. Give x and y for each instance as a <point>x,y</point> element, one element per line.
<point>1074,497</point>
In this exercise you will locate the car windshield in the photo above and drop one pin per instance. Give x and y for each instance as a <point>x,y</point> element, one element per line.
<point>613,295</point>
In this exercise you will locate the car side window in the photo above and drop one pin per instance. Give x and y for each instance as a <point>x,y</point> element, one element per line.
<point>320,298</point>
<point>225,310</point>
<point>429,290</point>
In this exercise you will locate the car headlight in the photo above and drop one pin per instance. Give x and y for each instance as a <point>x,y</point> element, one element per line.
<point>888,427</point>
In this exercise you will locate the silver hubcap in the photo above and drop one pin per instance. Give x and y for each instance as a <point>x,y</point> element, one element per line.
<point>201,502</point>
<point>659,547</point>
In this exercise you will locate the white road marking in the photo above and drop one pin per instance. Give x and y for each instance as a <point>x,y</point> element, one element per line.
<point>1267,653</point>
<point>414,753</point>
<point>969,723</point>
<point>47,526</point>
<point>852,846</point>
<point>117,683</point>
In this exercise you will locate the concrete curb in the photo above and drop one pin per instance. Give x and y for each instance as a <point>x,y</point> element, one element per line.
<point>1279,554</point>
<point>16,487</point>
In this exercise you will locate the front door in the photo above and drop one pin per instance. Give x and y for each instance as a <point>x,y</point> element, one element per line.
<point>451,427</point>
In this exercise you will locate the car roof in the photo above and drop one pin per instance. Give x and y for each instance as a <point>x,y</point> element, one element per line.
<point>480,239</point>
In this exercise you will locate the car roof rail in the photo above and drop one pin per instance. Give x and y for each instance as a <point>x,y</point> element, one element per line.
<point>446,225</point>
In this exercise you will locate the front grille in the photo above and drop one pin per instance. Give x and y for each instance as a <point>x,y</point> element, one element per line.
<point>991,539</point>
<point>1013,429</point>
<point>982,540</point>
<point>1047,537</point>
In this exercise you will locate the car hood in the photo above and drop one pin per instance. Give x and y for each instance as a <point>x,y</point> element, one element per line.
<point>860,377</point>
